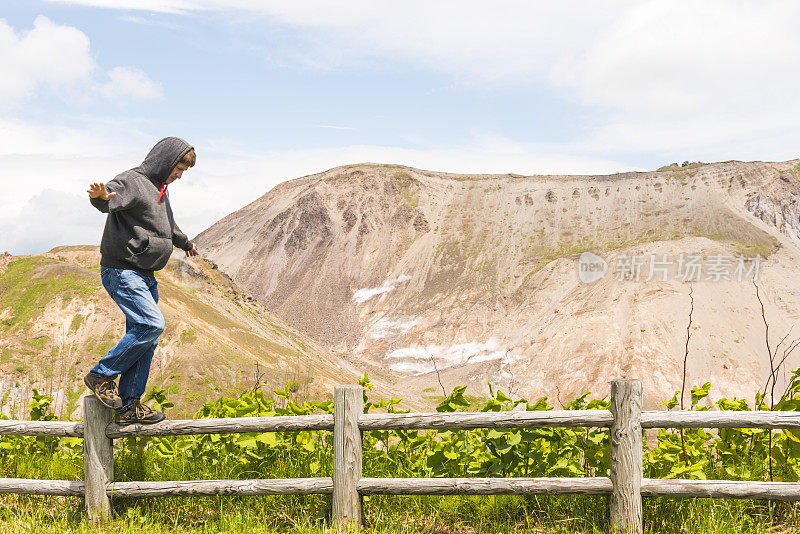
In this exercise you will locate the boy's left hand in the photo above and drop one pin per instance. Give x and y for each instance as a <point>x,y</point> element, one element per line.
<point>192,252</point>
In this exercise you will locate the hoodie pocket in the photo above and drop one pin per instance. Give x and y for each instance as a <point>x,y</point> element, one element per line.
<point>155,255</point>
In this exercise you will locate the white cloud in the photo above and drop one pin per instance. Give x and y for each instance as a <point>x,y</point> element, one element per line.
<point>36,158</point>
<point>130,83</point>
<point>158,6</point>
<point>49,218</point>
<point>44,173</point>
<point>58,58</point>
<point>18,137</point>
<point>479,42</point>
<point>658,75</point>
<point>49,54</point>
<point>655,55</point>
<point>714,78</point>
<point>668,58</point>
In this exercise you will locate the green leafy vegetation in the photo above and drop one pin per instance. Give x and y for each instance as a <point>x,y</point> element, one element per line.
<point>738,454</point>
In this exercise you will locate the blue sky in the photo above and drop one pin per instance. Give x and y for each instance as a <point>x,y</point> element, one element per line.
<point>269,91</point>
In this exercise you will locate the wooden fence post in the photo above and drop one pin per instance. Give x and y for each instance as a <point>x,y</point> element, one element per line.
<point>98,458</point>
<point>626,457</point>
<point>348,404</point>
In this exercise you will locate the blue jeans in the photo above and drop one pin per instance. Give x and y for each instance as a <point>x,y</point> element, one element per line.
<point>137,296</point>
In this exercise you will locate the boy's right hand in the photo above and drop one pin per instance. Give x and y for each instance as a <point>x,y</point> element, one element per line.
<point>98,190</point>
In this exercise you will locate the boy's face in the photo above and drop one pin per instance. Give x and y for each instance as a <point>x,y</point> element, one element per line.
<point>176,173</point>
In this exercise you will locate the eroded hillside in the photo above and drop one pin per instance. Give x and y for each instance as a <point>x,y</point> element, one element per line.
<point>56,321</point>
<point>464,279</point>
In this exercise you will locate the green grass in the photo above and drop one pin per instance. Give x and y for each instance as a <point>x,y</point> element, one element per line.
<point>77,321</point>
<point>382,514</point>
<point>795,171</point>
<point>72,399</point>
<point>188,336</point>
<point>26,294</point>
<point>678,168</point>
<point>199,309</point>
<point>38,343</point>
<point>98,348</point>
<point>7,355</point>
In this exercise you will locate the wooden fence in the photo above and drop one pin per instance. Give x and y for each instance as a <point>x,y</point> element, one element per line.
<point>626,485</point>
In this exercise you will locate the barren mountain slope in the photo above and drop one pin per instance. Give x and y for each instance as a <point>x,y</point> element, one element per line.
<point>56,320</point>
<point>475,276</point>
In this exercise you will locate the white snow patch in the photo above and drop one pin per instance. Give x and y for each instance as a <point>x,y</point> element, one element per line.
<point>384,327</point>
<point>417,360</point>
<point>363,295</point>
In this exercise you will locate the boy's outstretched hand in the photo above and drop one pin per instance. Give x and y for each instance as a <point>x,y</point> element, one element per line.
<point>192,252</point>
<point>98,190</point>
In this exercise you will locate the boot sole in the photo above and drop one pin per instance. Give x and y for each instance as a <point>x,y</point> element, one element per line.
<point>125,423</point>
<point>113,406</point>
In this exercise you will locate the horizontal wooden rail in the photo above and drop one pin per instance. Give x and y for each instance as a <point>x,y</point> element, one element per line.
<point>230,425</point>
<point>577,418</point>
<point>651,487</point>
<point>62,429</point>
<point>721,419</point>
<point>29,486</point>
<point>720,489</point>
<point>414,421</point>
<point>469,420</point>
<point>275,486</point>
<point>485,486</point>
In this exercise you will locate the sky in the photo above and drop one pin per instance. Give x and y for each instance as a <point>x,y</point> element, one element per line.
<point>268,91</point>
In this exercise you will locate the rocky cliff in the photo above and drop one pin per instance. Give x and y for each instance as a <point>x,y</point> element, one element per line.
<point>439,279</point>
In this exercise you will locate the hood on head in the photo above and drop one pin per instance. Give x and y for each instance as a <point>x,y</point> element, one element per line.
<point>162,158</point>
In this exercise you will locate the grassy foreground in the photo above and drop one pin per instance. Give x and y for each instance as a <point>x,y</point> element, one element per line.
<point>489,514</point>
<point>730,454</point>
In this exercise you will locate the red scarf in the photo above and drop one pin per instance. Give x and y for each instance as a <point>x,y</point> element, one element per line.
<point>163,190</point>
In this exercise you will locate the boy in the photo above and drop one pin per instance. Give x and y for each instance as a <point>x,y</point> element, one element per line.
<point>139,234</point>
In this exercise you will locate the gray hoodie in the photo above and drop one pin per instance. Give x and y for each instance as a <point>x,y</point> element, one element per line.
<point>140,230</point>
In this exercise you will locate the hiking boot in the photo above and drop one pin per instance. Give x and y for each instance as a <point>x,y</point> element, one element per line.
<point>139,413</point>
<point>105,389</point>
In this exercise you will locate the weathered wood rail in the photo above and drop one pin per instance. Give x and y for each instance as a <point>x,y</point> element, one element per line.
<point>626,485</point>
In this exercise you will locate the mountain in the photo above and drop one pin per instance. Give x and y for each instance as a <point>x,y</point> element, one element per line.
<point>438,279</point>
<point>56,321</point>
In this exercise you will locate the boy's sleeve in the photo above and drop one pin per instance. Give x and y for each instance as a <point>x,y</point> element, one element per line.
<point>100,204</point>
<point>126,195</point>
<point>180,240</point>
